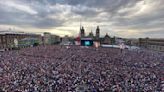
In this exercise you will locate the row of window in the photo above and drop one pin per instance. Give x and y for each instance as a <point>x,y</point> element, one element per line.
<point>2,46</point>
<point>7,40</point>
<point>156,47</point>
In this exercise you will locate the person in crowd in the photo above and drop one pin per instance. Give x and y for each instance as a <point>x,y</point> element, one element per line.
<point>58,69</point>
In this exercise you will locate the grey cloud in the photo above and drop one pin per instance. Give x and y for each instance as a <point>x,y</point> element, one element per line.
<point>87,10</point>
<point>107,5</point>
<point>154,20</point>
<point>21,19</point>
<point>11,16</point>
<point>157,31</point>
<point>47,23</point>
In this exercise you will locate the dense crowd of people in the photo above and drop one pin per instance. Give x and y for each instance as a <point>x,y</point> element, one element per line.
<point>81,69</point>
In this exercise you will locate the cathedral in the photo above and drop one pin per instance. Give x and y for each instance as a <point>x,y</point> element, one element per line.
<point>96,38</point>
<point>91,35</point>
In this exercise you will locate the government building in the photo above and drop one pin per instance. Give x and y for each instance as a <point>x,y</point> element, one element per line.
<point>152,44</point>
<point>9,40</point>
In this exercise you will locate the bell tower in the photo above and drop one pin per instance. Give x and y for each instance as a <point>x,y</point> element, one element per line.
<point>82,32</point>
<point>97,32</point>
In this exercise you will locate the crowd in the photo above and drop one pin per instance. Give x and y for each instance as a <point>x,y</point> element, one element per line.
<point>79,69</point>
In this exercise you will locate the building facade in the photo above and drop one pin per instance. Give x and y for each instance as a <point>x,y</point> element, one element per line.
<point>91,35</point>
<point>8,40</point>
<point>106,40</point>
<point>152,44</point>
<point>49,38</point>
<point>96,38</point>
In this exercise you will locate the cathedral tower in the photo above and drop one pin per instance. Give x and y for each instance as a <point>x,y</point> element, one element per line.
<point>97,32</point>
<point>82,32</point>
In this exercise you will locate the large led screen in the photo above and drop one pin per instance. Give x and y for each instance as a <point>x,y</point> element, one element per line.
<point>86,42</point>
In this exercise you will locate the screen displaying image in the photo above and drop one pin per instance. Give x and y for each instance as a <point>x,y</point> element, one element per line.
<point>87,43</point>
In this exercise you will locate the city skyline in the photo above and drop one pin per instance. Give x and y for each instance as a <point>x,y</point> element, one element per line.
<point>123,18</point>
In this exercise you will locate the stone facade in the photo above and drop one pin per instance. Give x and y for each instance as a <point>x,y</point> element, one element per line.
<point>7,40</point>
<point>152,44</point>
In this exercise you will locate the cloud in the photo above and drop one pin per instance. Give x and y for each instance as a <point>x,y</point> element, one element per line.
<point>18,6</point>
<point>125,18</point>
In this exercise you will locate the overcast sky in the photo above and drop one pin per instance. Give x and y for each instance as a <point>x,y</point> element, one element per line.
<point>124,18</point>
